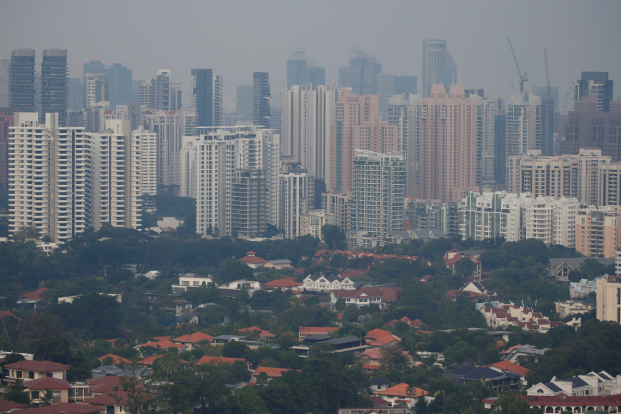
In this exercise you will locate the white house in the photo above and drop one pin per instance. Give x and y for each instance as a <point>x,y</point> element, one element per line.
<point>324,283</point>
<point>250,285</point>
<point>359,297</point>
<point>590,384</point>
<point>191,280</point>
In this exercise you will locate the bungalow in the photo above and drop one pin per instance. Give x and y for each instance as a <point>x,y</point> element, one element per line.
<point>270,372</point>
<point>252,260</point>
<point>250,285</point>
<point>263,334</point>
<point>282,284</point>
<point>30,370</point>
<point>402,393</point>
<point>113,403</point>
<point>32,300</point>
<point>582,385</point>
<point>453,257</point>
<point>161,345</point>
<point>223,339</point>
<point>498,380</point>
<point>308,331</point>
<point>345,344</point>
<point>116,360</point>
<point>105,385</point>
<point>194,338</point>
<point>515,352</point>
<point>221,360</point>
<point>377,403</point>
<point>191,281</point>
<point>562,403</point>
<point>56,390</point>
<point>416,323</point>
<point>325,283</point>
<point>279,264</point>
<point>359,297</point>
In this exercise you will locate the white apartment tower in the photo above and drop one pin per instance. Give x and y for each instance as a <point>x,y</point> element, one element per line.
<point>49,177</point>
<point>609,297</point>
<point>95,89</point>
<point>307,118</point>
<point>220,153</point>
<point>524,130</point>
<point>147,147</point>
<point>378,192</point>
<point>490,108</point>
<point>297,199</point>
<point>116,170</point>
<point>187,183</point>
<point>216,105</point>
<point>168,127</point>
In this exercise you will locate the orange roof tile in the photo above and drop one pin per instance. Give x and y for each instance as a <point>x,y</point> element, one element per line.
<point>115,359</point>
<point>162,345</point>
<point>34,295</point>
<point>309,330</point>
<point>282,283</point>
<point>510,366</point>
<point>48,383</point>
<point>384,341</point>
<point>194,338</point>
<point>371,367</point>
<point>271,372</point>
<point>400,390</point>
<point>376,334</point>
<point>38,366</point>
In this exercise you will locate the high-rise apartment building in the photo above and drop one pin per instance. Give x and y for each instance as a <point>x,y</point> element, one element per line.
<point>595,85</point>
<point>6,121</point>
<point>598,231</point>
<point>95,89</point>
<point>432,215</point>
<point>187,166</point>
<point>378,192</point>
<point>22,80</point>
<point>50,190</point>
<point>75,94</point>
<point>438,66</point>
<point>543,92</point>
<point>245,99</point>
<point>94,66</point>
<point>590,128</point>
<point>385,89</point>
<point>362,73</point>
<point>357,125</point>
<point>524,124</point>
<point>500,147</point>
<point>217,106</point>
<point>307,118</point>
<point>202,96</point>
<point>608,297</point>
<point>54,84</point>
<point>168,125</point>
<point>160,92</point>
<point>407,85</point>
<point>297,197</point>
<point>490,109</point>
<point>446,136</point>
<point>130,111</point>
<point>249,203</point>
<point>119,84</point>
<point>221,153</point>
<point>301,71</point>
<point>261,99</point>
<point>609,193</point>
<point>146,145</point>
<point>5,65</point>
<point>340,205</point>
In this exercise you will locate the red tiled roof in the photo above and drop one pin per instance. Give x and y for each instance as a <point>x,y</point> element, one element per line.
<point>374,367</point>
<point>252,260</point>
<point>7,313</point>
<point>219,360</point>
<point>510,366</point>
<point>115,359</point>
<point>150,360</point>
<point>162,345</point>
<point>48,383</point>
<point>10,405</point>
<point>378,402</point>
<point>309,330</point>
<point>400,390</point>
<point>376,334</point>
<point>108,399</point>
<point>250,253</point>
<point>578,401</point>
<point>356,293</point>
<point>282,283</point>
<point>353,273</point>
<point>372,353</point>
<point>383,341</point>
<point>271,372</point>
<point>38,366</point>
<point>262,333</point>
<point>194,338</point>
<point>34,295</point>
<point>76,408</point>
<point>162,338</point>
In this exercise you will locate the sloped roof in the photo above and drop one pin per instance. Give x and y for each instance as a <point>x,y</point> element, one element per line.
<point>10,405</point>
<point>7,313</point>
<point>162,344</point>
<point>271,372</point>
<point>48,383</point>
<point>378,402</point>
<point>351,293</point>
<point>252,259</point>
<point>353,273</point>
<point>262,332</point>
<point>75,408</point>
<point>315,330</point>
<point>282,283</point>
<point>36,295</point>
<point>400,390</point>
<point>376,334</point>
<point>38,366</point>
<point>219,360</point>
<point>510,366</point>
<point>115,359</point>
<point>194,338</point>
<point>383,341</point>
<point>372,353</point>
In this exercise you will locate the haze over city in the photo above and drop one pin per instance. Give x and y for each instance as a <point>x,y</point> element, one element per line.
<point>235,38</point>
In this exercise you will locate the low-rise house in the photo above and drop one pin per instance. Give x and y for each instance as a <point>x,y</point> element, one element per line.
<point>69,299</point>
<point>514,353</point>
<point>454,293</point>
<point>161,345</point>
<point>416,323</point>
<point>380,406</point>
<point>30,370</point>
<point>476,287</point>
<point>350,273</point>
<point>279,264</point>
<point>193,339</point>
<point>496,379</point>
<point>453,256</point>
<point>570,307</point>
<point>42,389</point>
<point>250,285</point>
<point>560,267</point>
<point>359,297</point>
<point>62,408</point>
<point>371,356</point>
<point>379,384</point>
<point>223,339</point>
<point>593,383</point>
<point>344,344</point>
<point>270,372</point>
<point>402,393</point>
<point>379,334</point>
<point>115,359</point>
<point>190,281</point>
<point>326,283</point>
<point>252,260</point>
<point>221,360</point>
<point>308,331</point>
<point>32,300</point>
<point>505,366</point>
<point>282,284</point>
<point>563,403</point>
<point>113,404</point>
<point>506,314</point>
<point>582,289</point>
<point>263,334</point>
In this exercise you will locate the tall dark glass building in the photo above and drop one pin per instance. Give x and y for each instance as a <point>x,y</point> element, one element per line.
<point>261,99</point>
<point>119,84</point>
<point>22,80</point>
<point>202,96</point>
<point>54,84</point>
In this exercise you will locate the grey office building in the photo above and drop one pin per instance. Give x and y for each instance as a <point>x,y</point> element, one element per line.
<point>119,84</point>
<point>595,84</point>
<point>202,96</point>
<point>301,71</point>
<point>75,95</point>
<point>22,80</point>
<point>438,66</point>
<point>54,84</point>
<point>245,101</point>
<point>261,99</point>
<point>362,73</point>
<point>407,85</point>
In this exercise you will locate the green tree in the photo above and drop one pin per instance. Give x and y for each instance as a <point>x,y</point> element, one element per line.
<point>234,349</point>
<point>287,339</point>
<point>340,304</point>
<point>15,392</point>
<point>99,315</point>
<point>509,403</point>
<point>30,232</point>
<point>51,348</point>
<point>232,269</point>
<point>250,402</point>
<point>311,300</point>
<point>333,236</point>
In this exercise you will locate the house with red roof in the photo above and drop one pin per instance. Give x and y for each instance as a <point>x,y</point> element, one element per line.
<point>161,344</point>
<point>359,297</point>
<point>454,293</point>
<point>59,390</point>
<point>353,273</point>
<point>498,315</point>
<point>8,314</point>
<point>36,295</point>
<point>402,393</point>
<point>194,338</point>
<point>509,366</point>
<point>252,260</point>
<point>282,284</point>
<point>32,300</point>
<point>263,334</point>
<point>221,360</point>
<point>321,330</point>
<point>563,403</point>
<point>148,361</point>
<point>453,256</point>
<point>8,406</point>
<point>113,403</point>
<point>27,370</point>
<point>271,373</point>
<point>116,360</point>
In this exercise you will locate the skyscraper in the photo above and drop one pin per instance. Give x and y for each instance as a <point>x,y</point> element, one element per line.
<point>75,94</point>
<point>438,66</point>
<point>95,89</point>
<point>261,99</point>
<point>524,124</point>
<point>300,72</point>
<point>245,101</point>
<point>168,125</point>
<point>5,64</point>
<point>54,84</point>
<point>297,197</point>
<point>543,91</point>
<point>595,84</point>
<point>217,107</point>
<point>385,89</point>
<point>362,73</point>
<point>160,92</point>
<point>202,96</point>
<point>94,66</point>
<point>446,137</point>
<point>6,121</point>
<point>119,84</point>
<point>406,84</point>
<point>489,108</point>
<point>22,80</point>
<point>357,125</point>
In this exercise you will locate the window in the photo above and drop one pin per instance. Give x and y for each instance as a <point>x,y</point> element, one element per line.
<point>34,395</point>
<point>31,374</point>
<point>19,374</point>
<point>109,409</point>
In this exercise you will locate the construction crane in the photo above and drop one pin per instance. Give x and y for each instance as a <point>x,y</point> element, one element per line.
<point>522,78</point>
<point>545,56</point>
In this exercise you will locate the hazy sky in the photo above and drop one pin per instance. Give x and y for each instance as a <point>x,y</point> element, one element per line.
<point>236,38</point>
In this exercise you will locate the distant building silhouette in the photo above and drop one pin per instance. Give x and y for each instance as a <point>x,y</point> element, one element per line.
<point>22,80</point>
<point>261,99</point>
<point>438,66</point>
<point>595,84</point>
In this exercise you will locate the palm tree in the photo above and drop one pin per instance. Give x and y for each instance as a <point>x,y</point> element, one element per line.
<point>169,365</point>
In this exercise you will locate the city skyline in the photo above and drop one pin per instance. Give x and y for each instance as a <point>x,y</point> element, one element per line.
<point>570,51</point>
